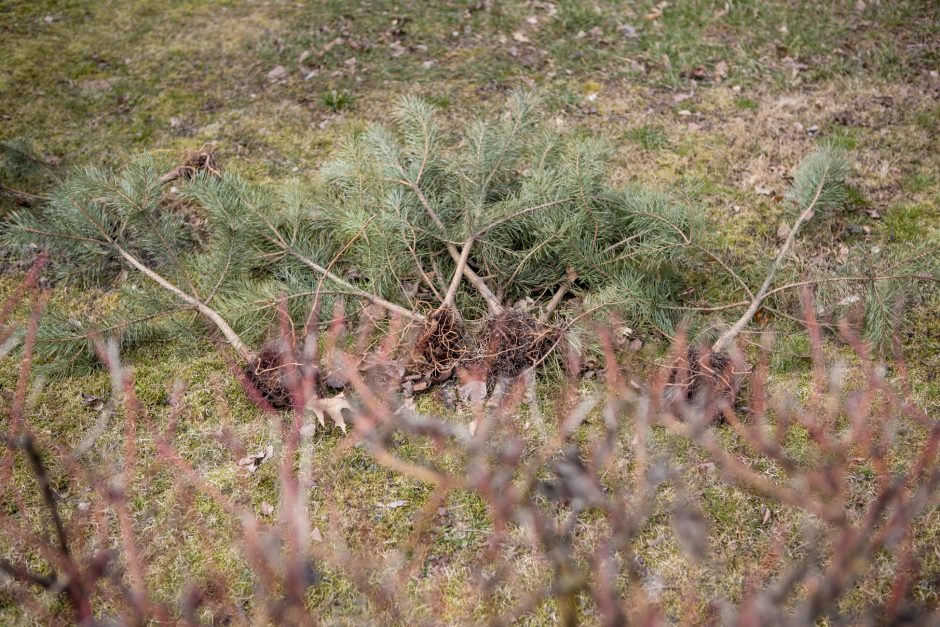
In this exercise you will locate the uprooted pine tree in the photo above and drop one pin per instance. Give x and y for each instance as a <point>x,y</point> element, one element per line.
<point>490,242</point>
<point>496,229</point>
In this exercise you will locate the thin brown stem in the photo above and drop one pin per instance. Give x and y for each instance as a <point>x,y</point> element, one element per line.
<point>728,337</point>
<point>339,253</point>
<point>556,300</point>
<point>24,198</point>
<point>476,280</point>
<point>378,300</point>
<point>207,312</point>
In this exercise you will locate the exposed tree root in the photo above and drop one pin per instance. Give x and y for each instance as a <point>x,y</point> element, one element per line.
<point>507,344</point>
<point>195,162</point>
<point>513,341</point>
<point>266,373</point>
<point>440,348</point>
<point>703,373</point>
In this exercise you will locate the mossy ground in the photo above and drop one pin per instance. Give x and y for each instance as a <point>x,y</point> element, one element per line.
<point>708,99</point>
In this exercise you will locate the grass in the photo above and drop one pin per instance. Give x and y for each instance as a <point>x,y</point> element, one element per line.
<point>96,82</point>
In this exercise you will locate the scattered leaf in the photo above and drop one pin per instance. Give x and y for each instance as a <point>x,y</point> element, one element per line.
<point>251,462</point>
<point>329,46</point>
<point>394,504</point>
<point>333,407</point>
<point>628,31</point>
<point>842,255</point>
<point>279,73</point>
<point>721,70</point>
<point>92,401</point>
<point>657,12</point>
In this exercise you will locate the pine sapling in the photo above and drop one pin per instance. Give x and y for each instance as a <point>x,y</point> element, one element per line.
<point>503,214</point>
<point>819,186</point>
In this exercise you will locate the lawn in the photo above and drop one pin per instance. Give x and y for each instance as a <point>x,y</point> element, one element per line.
<point>713,102</point>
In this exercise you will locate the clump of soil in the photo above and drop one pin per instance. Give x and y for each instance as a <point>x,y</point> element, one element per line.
<point>440,347</point>
<point>706,375</point>
<point>266,372</point>
<point>513,341</point>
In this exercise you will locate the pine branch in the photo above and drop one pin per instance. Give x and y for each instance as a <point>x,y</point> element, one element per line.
<point>118,219</point>
<point>207,312</point>
<point>828,179</point>
<point>24,198</point>
<point>474,279</point>
<point>458,273</point>
<point>728,337</point>
<point>378,300</point>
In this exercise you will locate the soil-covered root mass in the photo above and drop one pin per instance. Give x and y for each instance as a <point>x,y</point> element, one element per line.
<point>266,372</point>
<point>440,347</point>
<point>703,373</point>
<point>506,345</point>
<point>195,162</point>
<point>513,341</point>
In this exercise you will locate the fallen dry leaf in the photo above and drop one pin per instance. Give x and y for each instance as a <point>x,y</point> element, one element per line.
<point>333,407</point>
<point>90,400</point>
<point>657,11</point>
<point>628,31</point>
<point>278,73</point>
<point>251,462</point>
<point>721,70</point>
<point>842,254</point>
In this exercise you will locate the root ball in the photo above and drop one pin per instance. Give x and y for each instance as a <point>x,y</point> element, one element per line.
<point>266,373</point>
<point>514,341</point>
